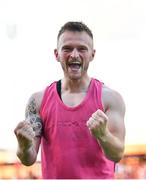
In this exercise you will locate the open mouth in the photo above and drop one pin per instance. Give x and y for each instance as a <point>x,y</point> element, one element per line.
<point>74,65</point>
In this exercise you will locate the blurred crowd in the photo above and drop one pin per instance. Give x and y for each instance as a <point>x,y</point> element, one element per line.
<point>130,167</point>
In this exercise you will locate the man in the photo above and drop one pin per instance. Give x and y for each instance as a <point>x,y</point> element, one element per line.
<point>78,120</point>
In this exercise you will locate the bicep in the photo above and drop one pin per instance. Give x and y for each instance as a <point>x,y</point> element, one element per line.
<point>116,113</point>
<point>116,124</point>
<point>32,115</point>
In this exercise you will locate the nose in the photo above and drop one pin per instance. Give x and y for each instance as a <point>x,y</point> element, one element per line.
<point>74,53</point>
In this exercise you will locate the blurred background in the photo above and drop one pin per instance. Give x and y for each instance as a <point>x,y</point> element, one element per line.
<point>28,31</point>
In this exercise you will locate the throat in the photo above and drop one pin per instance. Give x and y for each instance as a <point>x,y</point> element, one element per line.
<point>73,99</point>
<point>72,96</point>
<point>75,85</point>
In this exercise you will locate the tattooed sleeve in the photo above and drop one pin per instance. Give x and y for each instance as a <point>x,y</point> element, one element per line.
<point>31,115</point>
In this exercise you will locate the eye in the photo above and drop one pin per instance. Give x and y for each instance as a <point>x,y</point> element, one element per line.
<point>67,49</point>
<point>82,49</point>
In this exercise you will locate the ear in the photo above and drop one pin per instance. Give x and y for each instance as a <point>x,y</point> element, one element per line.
<point>93,54</point>
<point>56,54</point>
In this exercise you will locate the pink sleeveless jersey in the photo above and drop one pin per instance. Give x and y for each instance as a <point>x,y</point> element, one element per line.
<point>68,150</point>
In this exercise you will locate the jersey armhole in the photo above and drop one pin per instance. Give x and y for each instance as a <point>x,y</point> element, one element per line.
<point>99,95</point>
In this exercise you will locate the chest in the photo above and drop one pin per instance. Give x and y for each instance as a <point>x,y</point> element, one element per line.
<point>73,99</point>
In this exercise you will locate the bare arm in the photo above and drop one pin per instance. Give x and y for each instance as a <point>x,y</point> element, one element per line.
<point>113,143</point>
<point>108,126</point>
<point>28,133</point>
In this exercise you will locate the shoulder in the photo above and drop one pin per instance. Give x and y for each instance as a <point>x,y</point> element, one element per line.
<point>112,99</point>
<point>38,96</point>
<point>35,100</point>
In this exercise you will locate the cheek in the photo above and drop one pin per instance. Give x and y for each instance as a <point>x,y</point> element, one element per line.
<point>63,64</point>
<point>63,57</point>
<point>85,65</point>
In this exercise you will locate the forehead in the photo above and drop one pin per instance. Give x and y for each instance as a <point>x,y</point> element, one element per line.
<point>72,38</point>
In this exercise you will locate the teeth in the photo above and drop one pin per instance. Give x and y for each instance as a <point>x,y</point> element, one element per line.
<point>75,63</point>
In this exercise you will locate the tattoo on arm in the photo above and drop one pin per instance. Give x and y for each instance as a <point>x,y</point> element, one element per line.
<point>33,117</point>
<point>31,108</point>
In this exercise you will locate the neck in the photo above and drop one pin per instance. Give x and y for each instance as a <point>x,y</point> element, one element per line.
<point>75,85</point>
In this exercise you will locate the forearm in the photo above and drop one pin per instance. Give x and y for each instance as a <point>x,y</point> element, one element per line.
<point>27,156</point>
<point>112,146</point>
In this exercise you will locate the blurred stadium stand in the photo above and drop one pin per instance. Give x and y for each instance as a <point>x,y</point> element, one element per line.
<point>132,166</point>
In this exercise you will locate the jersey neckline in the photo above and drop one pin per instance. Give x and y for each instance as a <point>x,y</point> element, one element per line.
<point>73,108</point>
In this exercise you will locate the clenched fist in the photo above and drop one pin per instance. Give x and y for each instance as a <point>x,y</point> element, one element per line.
<point>97,124</point>
<point>25,134</point>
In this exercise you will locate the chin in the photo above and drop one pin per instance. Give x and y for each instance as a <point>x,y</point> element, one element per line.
<point>75,77</point>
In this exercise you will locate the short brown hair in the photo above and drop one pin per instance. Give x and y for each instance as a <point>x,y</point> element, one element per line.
<point>75,26</point>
